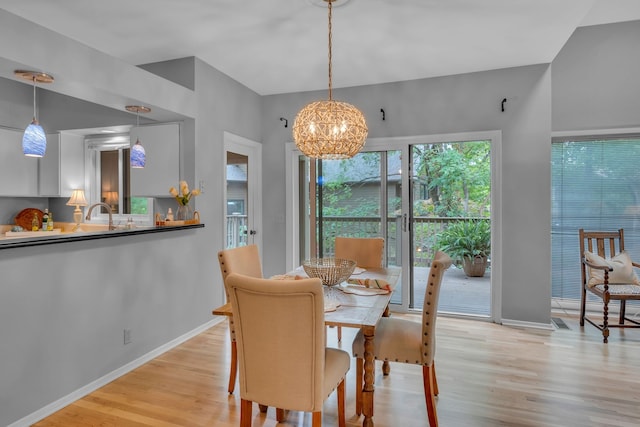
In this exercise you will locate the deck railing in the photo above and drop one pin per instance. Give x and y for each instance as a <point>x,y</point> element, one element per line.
<point>425,232</point>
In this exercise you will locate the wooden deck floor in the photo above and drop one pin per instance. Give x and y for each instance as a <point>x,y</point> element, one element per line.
<point>459,294</point>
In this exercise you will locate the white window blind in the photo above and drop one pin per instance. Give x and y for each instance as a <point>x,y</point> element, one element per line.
<point>595,185</point>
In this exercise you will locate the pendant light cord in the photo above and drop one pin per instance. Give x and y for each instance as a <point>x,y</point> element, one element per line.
<point>330,73</point>
<point>34,98</point>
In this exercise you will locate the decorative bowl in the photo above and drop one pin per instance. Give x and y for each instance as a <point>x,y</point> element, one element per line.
<point>331,271</point>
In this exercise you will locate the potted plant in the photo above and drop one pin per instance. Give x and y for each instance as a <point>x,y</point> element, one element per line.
<point>468,241</point>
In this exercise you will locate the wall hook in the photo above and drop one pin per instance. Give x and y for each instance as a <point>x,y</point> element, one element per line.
<point>504,101</point>
<point>286,122</point>
<point>383,115</point>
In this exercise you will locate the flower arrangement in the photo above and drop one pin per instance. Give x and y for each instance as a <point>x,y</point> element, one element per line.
<point>183,195</point>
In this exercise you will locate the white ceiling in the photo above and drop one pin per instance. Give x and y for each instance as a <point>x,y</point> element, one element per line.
<point>280,46</point>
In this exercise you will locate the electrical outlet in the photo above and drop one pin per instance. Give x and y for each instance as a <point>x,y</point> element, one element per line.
<point>201,186</point>
<point>127,336</point>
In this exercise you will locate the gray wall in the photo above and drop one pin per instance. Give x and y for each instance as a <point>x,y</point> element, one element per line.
<point>63,308</point>
<point>595,79</point>
<point>461,103</point>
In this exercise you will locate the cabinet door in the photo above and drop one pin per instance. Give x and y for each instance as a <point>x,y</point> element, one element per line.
<point>61,170</point>
<point>161,143</point>
<point>18,173</point>
<point>49,168</point>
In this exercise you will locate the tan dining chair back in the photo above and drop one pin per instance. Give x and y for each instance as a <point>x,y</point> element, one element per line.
<point>281,346</point>
<point>365,251</point>
<point>243,260</point>
<point>405,341</point>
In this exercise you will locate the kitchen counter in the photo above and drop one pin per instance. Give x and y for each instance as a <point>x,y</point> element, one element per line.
<point>64,237</point>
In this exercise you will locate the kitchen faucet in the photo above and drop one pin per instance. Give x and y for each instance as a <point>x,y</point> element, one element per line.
<point>105,205</point>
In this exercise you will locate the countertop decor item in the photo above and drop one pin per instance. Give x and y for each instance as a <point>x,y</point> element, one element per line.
<point>34,141</point>
<point>183,196</point>
<point>330,129</point>
<point>77,199</point>
<point>25,216</point>
<point>138,156</point>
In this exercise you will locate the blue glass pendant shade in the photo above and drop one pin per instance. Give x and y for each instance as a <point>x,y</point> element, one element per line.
<point>34,141</point>
<point>138,155</point>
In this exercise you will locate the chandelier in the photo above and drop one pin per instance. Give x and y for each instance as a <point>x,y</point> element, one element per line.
<point>329,129</point>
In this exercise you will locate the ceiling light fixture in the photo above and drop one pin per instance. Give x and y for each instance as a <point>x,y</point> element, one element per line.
<point>330,129</point>
<point>138,156</point>
<point>34,141</point>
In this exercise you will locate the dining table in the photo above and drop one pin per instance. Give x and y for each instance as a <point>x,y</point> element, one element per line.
<point>362,309</point>
<point>357,307</point>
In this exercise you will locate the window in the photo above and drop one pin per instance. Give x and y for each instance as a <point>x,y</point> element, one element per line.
<point>595,185</point>
<point>109,176</point>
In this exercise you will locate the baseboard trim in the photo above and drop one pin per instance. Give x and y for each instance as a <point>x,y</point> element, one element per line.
<point>111,376</point>
<point>530,325</point>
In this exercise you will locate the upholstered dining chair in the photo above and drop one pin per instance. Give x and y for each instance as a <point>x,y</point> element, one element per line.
<point>405,341</point>
<point>280,335</point>
<point>244,260</point>
<point>367,252</point>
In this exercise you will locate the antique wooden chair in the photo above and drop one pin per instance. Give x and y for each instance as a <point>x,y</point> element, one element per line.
<point>607,272</point>
<point>367,252</point>
<point>244,260</point>
<point>405,341</point>
<point>284,361</point>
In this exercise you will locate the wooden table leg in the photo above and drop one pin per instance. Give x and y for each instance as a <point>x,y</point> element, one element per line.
<point>368,388</point>
<point>386,368</point>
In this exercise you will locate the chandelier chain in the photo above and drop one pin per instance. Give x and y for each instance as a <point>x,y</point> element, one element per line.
<point>330,45</point>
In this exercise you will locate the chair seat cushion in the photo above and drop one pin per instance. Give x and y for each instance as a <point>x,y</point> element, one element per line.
<point>619,290</point>
<point>395,340</point>
<point>622,269</point>
<point>336,366</point>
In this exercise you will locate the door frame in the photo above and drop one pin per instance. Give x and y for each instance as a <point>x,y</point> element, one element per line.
<point>403,144</point>
<point>253,150</point>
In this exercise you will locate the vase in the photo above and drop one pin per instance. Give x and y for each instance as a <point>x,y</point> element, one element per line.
<point>183,213</point>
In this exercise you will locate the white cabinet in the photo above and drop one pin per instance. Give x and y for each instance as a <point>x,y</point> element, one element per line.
<point>61,170</point>
<point>161,143</point>
<point>18,173</point>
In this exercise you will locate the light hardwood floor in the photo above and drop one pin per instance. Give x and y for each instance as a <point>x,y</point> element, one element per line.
<point>488,375</point>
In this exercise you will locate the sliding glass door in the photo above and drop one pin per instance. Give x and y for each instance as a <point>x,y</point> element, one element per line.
<point>408,194</point>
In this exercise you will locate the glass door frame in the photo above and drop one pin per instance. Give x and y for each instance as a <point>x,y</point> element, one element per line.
<point>403,144</point>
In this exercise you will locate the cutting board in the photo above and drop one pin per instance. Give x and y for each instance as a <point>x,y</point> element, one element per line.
<point>25,216</point>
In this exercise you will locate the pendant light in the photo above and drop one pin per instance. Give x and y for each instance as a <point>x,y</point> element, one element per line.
<point>330,129</point>
<point>34,140</point>
<point>138,156</point>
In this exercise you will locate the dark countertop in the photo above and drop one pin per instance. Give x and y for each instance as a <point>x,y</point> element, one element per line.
<point>76,237</point>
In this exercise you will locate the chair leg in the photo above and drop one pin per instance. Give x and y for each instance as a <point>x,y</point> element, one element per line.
<point>359,380</point>
<point>245,413</point>
<point>341,417</point>
<point>623,309</point>
<point>339,333</point>
<point>583,304</point>
<point>428,377</point>
<point>605,318</point>
<point>435,379</point>
<point>316,419</point>
<point>234,366</point>
<point>279,415</point>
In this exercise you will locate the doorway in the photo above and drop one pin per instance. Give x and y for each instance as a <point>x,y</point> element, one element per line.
<point>242,189</point>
